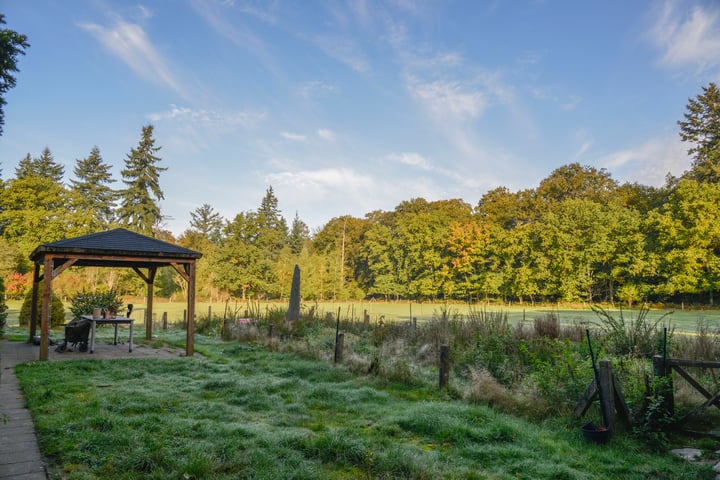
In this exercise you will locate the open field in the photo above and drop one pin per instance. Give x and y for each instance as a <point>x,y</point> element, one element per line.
<point>245,412</point>
<point>683,320</point>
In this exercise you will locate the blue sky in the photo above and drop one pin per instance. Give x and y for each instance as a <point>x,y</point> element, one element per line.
<point>345,107</point>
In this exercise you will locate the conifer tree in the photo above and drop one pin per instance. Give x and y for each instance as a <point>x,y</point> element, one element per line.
<point>12,44</point>
<point>139,208</point>
<point>45,166</point>
<point>701,128</point>
<point>91,186</point>
<point>299,235</point>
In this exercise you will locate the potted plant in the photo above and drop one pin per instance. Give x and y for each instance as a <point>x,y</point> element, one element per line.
<point>84,303</point>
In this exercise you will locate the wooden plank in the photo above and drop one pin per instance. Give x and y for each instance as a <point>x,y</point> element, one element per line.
<point>694,383</point>
<point>141,274</point>
<point>180,271</point>
<point>676,362</point>
<point>607,395</point>
<point>588,397</point>
<point>62,267</point>
<point>620,404</point>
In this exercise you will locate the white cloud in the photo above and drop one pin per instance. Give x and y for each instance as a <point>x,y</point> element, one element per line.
<point>326,134</point>
<point>410,158</point>
<point>237,33</point>
<point>448,99</point>
<point>315,89</point>
<point>209,118</point>
<point>344,50</point>
<point>130,43</point>
<point>687,38</point>
<point>295,137</point>
<point>650,162</point>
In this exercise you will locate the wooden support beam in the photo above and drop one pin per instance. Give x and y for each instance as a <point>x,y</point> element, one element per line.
<point>149,311</point>
<point>181,271</point>
<point>141,274</point>
<point>62,267</point>
<point>34,303</point>
<point>46,308</point>
<point>588,397</point>
<point>621,406</point>
<point>694,383</point>
<point>190,325</point>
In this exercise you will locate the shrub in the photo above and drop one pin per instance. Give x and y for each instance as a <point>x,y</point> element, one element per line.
<point>57,310</point>
<point>84,303</point>
<point>640,336</point>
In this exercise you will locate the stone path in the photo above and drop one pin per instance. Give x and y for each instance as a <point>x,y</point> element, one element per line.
<point>20,457</point>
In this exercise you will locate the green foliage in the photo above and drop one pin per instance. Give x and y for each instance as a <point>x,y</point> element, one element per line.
<point>3,309</point>
<point>639,336</point>
<point>57,310</point>
<point>84,303</point>
<point>12,44</point>
<point>701,128</point>
<point>139,209</point>
<point>94,196</point>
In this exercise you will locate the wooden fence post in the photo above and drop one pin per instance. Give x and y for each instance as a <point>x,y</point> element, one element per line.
<point>607,394</point>
<point>665,389</point>
<point>164,321</point>
<point>444,366</point>
<point>339,346</point>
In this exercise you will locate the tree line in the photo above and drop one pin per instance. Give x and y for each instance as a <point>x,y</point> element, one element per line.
<point>579,236</point>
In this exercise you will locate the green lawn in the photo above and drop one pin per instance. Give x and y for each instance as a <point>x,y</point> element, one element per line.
<point>682,319</point>
<point>244,412</point>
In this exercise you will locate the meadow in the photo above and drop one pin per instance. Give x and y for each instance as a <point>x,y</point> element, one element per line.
<point>279,407</point>
<point>243,411</point>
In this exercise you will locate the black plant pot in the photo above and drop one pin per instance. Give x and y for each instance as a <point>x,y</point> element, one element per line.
<point>595,433</point>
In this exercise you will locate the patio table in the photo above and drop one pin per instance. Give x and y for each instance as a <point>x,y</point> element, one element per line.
<point>110,321</point>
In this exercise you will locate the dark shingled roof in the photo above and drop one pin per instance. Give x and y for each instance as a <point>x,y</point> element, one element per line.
<point>115,243</point>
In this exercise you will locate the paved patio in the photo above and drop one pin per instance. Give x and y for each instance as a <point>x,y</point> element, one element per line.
<point>20,456</point>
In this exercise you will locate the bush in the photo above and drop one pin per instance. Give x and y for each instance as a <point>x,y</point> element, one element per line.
<point>57,311</point>
<point>84,303</point>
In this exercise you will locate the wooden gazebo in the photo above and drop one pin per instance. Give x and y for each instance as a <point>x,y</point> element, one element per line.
<point>113,248</point>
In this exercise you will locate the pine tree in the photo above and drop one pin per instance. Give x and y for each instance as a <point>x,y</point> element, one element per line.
<point>139,208</point>
<point>45,166</point>
<point>299,235</point>
<point>702,129</point>
<point>207,222</point>
<point>271,225</point>
<point>12,44</point>
<point>93,193</point>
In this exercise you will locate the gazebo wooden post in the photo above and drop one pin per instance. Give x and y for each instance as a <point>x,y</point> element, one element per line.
<point>149,312</point>
<point>190,328</point>
<point>34,303</point>
<point>46,306</point>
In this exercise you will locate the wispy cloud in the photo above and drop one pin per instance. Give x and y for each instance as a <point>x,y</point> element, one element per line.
<point>326,134</point>
<point>130,43</point>
<point>649,162</point>
<point>448,98</point>
<point>410,158</point>
<point>209,118</point>
<point>343,49</point>
<point>295,137</point>
<point>316,89</point>
<point>691,38</point>
<point>216,16</point>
